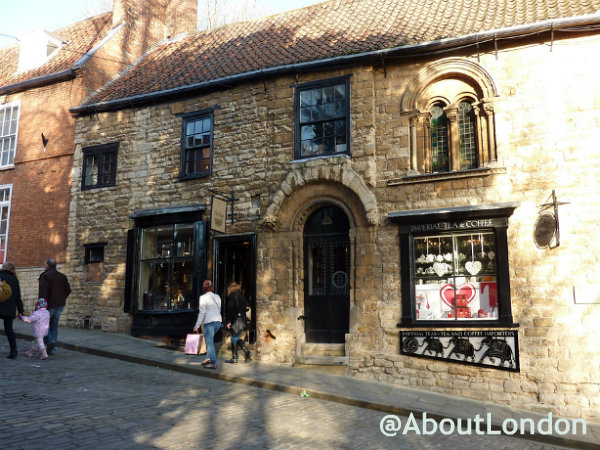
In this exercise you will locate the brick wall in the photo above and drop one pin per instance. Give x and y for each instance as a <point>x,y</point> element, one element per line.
<point>41,179</point>
<point>546,128</point>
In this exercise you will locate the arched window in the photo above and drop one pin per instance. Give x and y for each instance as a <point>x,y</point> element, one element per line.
<point>450,111</point>
<point>439,139</point>
<point>467,136</point>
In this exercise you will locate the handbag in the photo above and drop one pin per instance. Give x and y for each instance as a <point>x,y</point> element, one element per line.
<point>238,325</point>
<point>195,344</point>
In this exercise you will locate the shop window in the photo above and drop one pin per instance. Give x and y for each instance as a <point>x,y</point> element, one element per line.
<point>454,266</point>
<point>99,166</point>
<point>9,124</point>
<point>455,276</point>
<point>322,118</point>
<point>197,145</point>
<point>166,276</point>
<point>94,262</point>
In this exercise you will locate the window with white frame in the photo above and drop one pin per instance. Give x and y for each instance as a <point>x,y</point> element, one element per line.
<point>5,196</point>
<point>9,124</point>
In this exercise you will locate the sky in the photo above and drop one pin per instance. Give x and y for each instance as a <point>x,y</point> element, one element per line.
<point>20,16</point>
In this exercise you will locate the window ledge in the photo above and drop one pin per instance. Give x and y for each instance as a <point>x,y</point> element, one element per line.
<point>8,167</point>
<point>314,158</point>
<point>424,178</point>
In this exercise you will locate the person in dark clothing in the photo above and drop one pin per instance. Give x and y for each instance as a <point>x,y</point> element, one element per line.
<point>10,306</point>
<point>55,288</point>
<point>236,307</point>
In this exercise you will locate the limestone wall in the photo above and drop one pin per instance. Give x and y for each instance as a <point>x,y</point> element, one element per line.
<point>547,122</point>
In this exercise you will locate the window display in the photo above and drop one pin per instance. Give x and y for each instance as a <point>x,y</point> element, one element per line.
<point>455,276</point>
<point>166,267</point>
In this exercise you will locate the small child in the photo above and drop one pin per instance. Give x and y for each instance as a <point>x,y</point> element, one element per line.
<point>41,321</point>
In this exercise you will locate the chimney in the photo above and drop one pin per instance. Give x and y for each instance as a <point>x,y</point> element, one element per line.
<point>174,16</point>
<point>181,17</point>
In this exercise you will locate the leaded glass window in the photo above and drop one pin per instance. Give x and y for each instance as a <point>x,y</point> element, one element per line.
<point>439,139</point>
<point>466,136</point>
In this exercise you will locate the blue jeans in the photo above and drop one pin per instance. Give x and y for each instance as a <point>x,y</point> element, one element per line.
<point>53,329</point>
<point>235,337</point>
<point>210,329</point>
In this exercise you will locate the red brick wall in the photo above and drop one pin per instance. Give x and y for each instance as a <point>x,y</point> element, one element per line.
<point>42,180</point>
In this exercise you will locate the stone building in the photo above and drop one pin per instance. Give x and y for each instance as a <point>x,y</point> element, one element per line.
<point>41,77</point>
<point>406,189</point>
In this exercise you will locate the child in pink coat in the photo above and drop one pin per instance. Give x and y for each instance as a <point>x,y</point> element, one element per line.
<point>41,321</point>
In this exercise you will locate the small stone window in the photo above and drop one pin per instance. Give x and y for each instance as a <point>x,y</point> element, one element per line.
<point>197,145</point>
<point>94,262</point>
<point>99,166</point>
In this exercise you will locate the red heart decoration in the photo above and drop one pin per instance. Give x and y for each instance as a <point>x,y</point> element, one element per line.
<point>447,293</point>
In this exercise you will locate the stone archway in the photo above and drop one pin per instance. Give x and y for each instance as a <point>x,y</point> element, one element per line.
<point>317,183</point>
<point>308,188</point>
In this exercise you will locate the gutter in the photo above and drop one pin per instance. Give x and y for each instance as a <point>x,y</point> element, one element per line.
<point>57,77</point>
<point>412,50</point>
<point>43,80</point>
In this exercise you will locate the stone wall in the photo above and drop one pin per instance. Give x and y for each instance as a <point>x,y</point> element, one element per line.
<point>546,129</point>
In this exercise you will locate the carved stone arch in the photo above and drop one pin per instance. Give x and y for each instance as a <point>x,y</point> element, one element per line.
<point>306,189</point>
<point>461,68</point>
<point>419,95</point>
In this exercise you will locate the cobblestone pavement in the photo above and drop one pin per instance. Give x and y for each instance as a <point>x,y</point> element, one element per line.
<point>79,401</point>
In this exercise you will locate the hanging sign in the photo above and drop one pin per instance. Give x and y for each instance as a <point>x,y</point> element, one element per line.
<point>218,214</point>
<point>496,349</point>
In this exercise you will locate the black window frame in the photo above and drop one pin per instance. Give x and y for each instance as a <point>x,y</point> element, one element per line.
<point>318,84</point>
<point>89,248</point>
<point>185,119</point>
<point>420,223</point>
<point>101,151</point>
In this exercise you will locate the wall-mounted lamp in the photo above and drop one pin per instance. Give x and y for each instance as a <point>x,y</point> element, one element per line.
<point>547,229</point>
<point>44,141</point>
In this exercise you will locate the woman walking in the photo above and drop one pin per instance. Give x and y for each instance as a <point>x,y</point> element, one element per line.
<point>11,305</point>
<point>236,312</point>
<point>209,315</point>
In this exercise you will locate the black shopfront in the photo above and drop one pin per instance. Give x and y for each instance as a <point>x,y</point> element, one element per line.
<point>454,266</point>
<point>166,264</point>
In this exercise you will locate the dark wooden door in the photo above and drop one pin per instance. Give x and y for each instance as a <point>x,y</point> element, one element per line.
<point>327,277</point>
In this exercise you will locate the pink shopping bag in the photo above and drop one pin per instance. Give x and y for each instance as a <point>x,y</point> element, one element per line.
<point>194,344</point>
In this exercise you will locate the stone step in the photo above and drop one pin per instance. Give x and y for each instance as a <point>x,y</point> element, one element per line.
<point>324,360</point>
<point>323,350</point>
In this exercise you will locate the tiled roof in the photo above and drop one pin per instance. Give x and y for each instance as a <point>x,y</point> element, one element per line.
<point>327,30</point>
<point>80,37</point>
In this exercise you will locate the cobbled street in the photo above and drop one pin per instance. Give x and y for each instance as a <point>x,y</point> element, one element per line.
<point>79,401</point>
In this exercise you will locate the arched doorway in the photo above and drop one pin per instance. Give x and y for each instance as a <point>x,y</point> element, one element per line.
<point>326,276</point>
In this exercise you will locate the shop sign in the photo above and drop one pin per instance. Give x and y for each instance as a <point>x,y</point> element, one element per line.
<point>218,214</point>
<point>497,349</point>
<point>458,225</point>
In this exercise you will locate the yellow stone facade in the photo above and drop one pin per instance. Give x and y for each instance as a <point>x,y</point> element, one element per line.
<point>541,132</point>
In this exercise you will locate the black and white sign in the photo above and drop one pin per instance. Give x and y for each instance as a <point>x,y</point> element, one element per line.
<point>497,349</point>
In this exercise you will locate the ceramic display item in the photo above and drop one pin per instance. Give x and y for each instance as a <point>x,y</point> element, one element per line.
<point>473,267</point>
<point>440,268</point>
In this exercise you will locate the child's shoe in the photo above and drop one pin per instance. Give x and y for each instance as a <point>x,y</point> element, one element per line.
<point>29,353</point>
<point>44,354</point>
